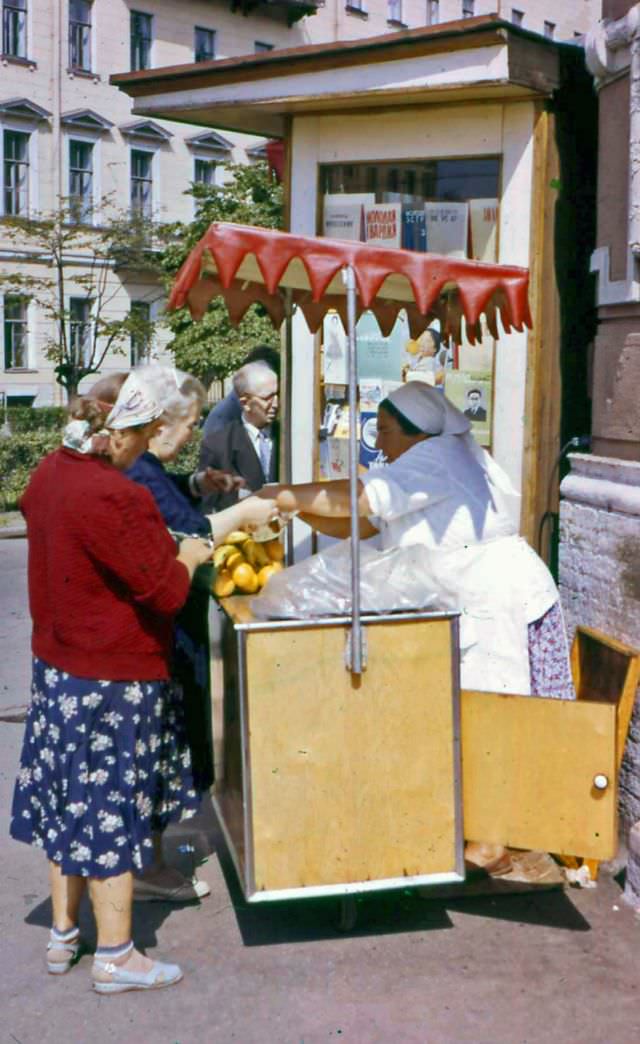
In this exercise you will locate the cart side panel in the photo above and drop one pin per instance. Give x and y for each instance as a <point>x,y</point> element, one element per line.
<point>352,779</point>
<point>528,766</point>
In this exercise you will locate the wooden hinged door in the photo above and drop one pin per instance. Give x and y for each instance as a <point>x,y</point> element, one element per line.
<point>540,773</point>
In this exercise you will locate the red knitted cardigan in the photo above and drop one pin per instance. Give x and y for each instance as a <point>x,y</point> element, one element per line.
<point>104,582</point>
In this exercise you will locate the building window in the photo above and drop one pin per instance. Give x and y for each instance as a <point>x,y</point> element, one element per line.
<point>356,5</point>
<point>16,173</point>
<point>14,28</point>
<point>141,183</point>
<point>394,11</point>
<point>15,333</point>
<point>140,40</point>
<point>549,30</point>
<point>259,46</point>
<point>468,8</point>
<point>140,337</point>
<point>80,35</point>
<point>204,171</point>
<point>80,330</point>
<point>517,17</point>
<point>204,49</point>
<point>81,181</point>
<point>433,12</point>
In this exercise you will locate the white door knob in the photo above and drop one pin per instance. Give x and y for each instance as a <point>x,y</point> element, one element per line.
<point>600,781</point>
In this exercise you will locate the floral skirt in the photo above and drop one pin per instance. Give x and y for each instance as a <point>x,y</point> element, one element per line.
<point>103,765</point>
<point>549,665</point>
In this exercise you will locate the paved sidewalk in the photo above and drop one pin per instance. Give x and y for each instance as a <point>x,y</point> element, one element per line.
<point>548,968</point>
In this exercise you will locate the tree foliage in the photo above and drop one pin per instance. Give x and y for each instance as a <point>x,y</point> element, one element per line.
<point>214,347</point>
<point>71,258</point>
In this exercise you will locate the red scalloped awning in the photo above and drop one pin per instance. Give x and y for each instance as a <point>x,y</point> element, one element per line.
<point>245,265</point>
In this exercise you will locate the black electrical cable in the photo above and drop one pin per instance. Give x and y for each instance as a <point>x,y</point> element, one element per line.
<point>577,442</point>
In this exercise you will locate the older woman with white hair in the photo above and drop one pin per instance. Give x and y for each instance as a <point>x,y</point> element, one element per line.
<point>104,761</point>
<point>441,490</point>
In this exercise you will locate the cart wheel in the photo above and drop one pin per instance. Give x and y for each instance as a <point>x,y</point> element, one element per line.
<point>348,913</point>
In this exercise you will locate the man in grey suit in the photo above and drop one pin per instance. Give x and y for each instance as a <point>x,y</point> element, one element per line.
<point>229,408</point>
<point>248,445</point>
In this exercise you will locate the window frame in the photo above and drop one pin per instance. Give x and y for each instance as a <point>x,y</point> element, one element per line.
<point>202,29</point>
<point>74,67</point>
<point>133,14</point>
<point>135,359</point>
<point>433,8</point>
<point>11,127</point>
<point>395,12</point>
<point>153,169</point>
<point>87,322</point>
<point>25,322</point>
<point>71,137</point>
<point>468,8</point>
<point>11,6</point>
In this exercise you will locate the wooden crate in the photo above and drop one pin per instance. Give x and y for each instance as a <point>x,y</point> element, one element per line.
<point>333,782</point>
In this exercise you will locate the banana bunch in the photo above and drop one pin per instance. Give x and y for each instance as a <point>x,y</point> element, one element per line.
<point>243,564</point>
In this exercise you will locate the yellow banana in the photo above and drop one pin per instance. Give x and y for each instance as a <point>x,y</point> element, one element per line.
<point>221,554</point>
<point>255,554</point>
<point>236,537</point>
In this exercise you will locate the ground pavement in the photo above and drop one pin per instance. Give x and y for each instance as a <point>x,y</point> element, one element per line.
<point>553,967</point>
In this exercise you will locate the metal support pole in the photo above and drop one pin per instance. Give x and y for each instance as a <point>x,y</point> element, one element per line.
<point>356,665</point>
<point>286,410</point>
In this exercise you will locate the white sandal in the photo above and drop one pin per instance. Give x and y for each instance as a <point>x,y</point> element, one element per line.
<point>63,953</point>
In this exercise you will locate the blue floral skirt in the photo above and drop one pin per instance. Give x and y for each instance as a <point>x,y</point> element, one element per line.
<point>103,765</point>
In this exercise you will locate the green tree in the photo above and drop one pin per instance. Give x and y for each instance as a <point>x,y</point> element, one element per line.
<point>68,258</point>
<point>213,347</point>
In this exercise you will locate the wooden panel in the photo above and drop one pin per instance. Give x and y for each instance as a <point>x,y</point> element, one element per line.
<point>542,395</point>
<point>351,781</point>
<point>608,671</point>
<point>528,766</point>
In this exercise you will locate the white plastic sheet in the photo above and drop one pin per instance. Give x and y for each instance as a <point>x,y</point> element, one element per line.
<point>390,581</point>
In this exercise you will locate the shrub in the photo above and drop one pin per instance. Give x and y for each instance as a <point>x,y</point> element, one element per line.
<point>19,455</point>
<point>45,418</point>
<point>23,451</point>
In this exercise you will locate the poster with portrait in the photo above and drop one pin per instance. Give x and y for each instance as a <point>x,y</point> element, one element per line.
<point>472,394</point>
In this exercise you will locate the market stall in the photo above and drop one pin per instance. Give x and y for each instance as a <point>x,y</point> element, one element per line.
<point>342,739</point>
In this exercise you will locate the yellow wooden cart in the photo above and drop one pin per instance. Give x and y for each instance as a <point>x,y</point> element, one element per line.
<point>352,762</point>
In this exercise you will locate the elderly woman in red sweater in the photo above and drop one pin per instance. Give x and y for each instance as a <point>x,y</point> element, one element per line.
<point>104,760</point>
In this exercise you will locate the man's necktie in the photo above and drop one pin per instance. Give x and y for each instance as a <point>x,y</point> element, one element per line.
<point>264,451</point>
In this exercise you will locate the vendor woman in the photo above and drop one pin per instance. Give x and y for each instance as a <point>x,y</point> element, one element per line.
<point>441,490</point>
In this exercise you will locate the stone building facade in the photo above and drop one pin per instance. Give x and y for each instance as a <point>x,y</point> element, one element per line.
<point>600,507</point>
<point>64,130</point>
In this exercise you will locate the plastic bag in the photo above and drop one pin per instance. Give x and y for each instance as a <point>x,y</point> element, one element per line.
<point>390,581</point>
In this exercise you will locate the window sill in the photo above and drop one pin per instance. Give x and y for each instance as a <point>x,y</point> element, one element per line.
<point>83,74</point>
<point>13,59</point>
<point>359,11</point>
<point>19,369</point>
<point>395,23</point>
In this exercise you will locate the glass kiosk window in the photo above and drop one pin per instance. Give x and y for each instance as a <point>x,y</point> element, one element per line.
<point>446,206</point>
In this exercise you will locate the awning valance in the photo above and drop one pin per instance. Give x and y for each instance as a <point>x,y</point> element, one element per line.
<point>245,265</point>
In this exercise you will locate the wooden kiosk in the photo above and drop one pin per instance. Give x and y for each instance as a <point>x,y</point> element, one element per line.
<point>351,760</point>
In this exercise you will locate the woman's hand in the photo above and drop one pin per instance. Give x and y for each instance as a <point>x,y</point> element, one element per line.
<point>194,552</point>
<point>257,511</point>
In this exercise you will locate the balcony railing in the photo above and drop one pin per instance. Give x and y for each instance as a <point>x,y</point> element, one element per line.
<point>290,10</point>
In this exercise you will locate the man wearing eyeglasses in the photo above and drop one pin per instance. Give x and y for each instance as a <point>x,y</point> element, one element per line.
<point>248,446</point>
